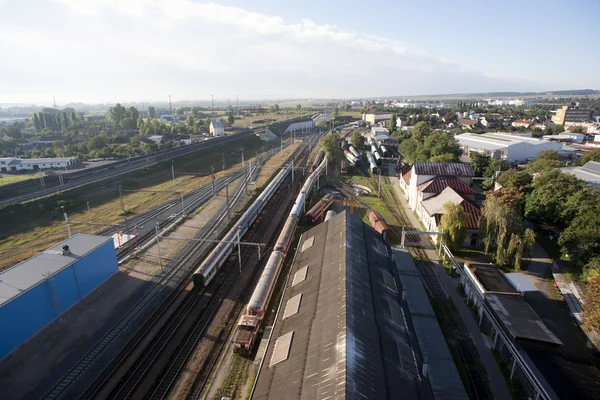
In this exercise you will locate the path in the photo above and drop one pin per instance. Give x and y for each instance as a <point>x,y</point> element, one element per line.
<point>495,377</point>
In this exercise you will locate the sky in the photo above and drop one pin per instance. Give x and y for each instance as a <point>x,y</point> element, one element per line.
<point>145,50</point>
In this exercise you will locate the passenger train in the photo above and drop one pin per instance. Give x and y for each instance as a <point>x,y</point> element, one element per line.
<point>211,264</point>
<point>249,324</point>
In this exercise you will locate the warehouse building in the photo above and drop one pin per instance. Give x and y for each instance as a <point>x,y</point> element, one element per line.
<point>355,322</point>
<point>11,164</point>
<point>37,291</point>
<point>502,146</point>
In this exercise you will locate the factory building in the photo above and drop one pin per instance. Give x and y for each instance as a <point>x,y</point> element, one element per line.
<point>354,322</point>
<point>12,164</point>
<point>37,291</point>
<point>502,146</point>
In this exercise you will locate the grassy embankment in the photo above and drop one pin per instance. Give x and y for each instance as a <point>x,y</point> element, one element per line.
<point>31,227</point>
<point>5,180</point>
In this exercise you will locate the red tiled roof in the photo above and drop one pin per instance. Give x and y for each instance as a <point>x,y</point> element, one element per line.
<point>473,214</point>
<point>439,183</point>
<point>406,175</point>
<point>442,168</point>
<point>465,121</point>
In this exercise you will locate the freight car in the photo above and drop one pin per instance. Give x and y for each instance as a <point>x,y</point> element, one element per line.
<point>354,151</point>
<point>372,164</point>
<point>318,209</point>
<point>318,159</point>
<point>379,224</point>
<point>350,157</point>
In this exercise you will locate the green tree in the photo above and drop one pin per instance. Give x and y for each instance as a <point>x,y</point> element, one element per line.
<point>151,112</point>
<point>96,143</point>
<point>36,122</point>
<point>420,130</point>
<point>393,123</point>
<point>593,155</point>
<point>512,178</point>
<point>73,117</point>
<point>495,166</point>
<point>578,202</point>
<point>42,118</point>
<point>330,146</point>
<point>591,317</point>
<point>190,121</point>
<point>551,189</point>
<point>179,111</point>
<point>581,239</point>
<point>447,157</point>
<point>129,123</point>
<point>497,224</point>
<point>409,150</point>
<point>65,119</point>
<point>479,163</point>
<point>440,144</point>
<point>133,113</point>
<point>546,160</point>
<point>454,225</point>
<point>230,119</point>
<point>358,140</point>
<point>117,113</point>
<point>298,107</point>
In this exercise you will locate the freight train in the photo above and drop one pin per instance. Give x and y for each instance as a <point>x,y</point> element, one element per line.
<point>318,159</point>
<point>350,157</point>
<point>211,264</point>
<point>249,324</point>
<point>318,209</point>
<point>372,164</point>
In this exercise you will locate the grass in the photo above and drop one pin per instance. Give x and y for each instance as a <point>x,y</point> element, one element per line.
<point>5,180</point>
<point>35,229</point>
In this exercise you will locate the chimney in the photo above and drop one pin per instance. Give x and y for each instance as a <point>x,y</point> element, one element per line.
<point>65,251</point>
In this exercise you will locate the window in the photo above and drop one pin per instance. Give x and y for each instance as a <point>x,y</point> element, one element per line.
<point>281,351</point>
<point>308,243</point>
<point>300,276</point>
<point>292,306</point>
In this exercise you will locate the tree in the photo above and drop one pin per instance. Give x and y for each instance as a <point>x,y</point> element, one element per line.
<point>36,122</point>
<point>581,239</point>
<point>133,113</point>
<point>420,130</point>
<point>358,141</point>
<point>454,225</point>
<point>408,149</point>
<point>151,112</point>
<point>447,158</point>
<point>117,113</point>
<point>393,123</point>
<point>591,317</point>
<point>593,155</point>
<point>298,107</point>
<point>512,178</point>
<point>551,190</point>
<point>65,119</point>
<point>495,166</point>
<point>578,202</point>
<point>230,119</point>
<point>331,148</point>
<point>73,117</point>
<point>190,121</point>
<point>179,111</point>
<point>510,197</point>
<point>42,119</point>
<point>479,163</point>
<point>546,160</point>
<point>129,123</point>
<point>439,144</point>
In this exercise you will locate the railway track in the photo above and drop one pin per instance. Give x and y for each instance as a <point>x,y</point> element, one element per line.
<point>181,270</point>
<point>477,381</point>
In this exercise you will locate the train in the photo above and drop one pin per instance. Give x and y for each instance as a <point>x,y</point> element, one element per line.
<point>350,157</point>
<point>318,159</point>
<point>372,163</point>
<point>384,151</point>
<point>213,262</point>
<point>317,210</point>
<point>379,224</point>
<point>377,157</point>
<point>249,323</point>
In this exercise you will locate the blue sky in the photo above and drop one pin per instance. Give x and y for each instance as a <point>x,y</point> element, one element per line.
<point>131,50</point>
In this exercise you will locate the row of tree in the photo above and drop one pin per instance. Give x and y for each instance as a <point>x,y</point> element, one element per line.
<point>55,120</point>
<point>421,145</point>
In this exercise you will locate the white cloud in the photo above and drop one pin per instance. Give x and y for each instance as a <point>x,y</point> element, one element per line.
<point>137,49</point>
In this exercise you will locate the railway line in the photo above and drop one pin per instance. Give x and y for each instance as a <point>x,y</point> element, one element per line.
<point>476,376</point>
<point>177,280</point>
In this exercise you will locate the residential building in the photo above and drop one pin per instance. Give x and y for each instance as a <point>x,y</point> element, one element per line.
<point>589,172</point>
<point>354,322</point>
<point>401,121</point>
<point>11,164</point>
<point>566,137</point>
<point>168,118</point>
<point>501,146</point>
<point>217,128</point>
<point>566,114</point>
<point>522,123</point>
<point>422,172</point>
<point>488,122</point>
<point>378,118</point>
<point>468,123</point>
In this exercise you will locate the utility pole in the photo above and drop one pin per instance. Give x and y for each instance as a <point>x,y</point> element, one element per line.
<point>212,101</point>
<point>66,220</point>
<point>182,205</point>
<point>227,200</point>
<point>223,155</point>
<point>243,164</point>
<point>173,172</point>
<point>237,105</point>
<point>292,171</point>
<point>212,171</point>
<point>170,106</point>
<point>158,247</point>
<point>90,216</point>
<point>239,250</point>
<point>123,209</point>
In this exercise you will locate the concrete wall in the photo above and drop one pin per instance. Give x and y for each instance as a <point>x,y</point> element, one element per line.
<point>522,151</point>
<point>27,314</point>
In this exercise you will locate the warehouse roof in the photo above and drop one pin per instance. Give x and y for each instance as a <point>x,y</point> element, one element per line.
<point>19,278</point>
<point>442,372</point>
<point>349,337</point>
<point>589,172</point>
<point>497,140</point>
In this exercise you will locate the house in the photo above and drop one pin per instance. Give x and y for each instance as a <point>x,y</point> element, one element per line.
<point>422,172</point>
<point>11,164</point>
<point>468,123</point>
<point>503,146</point>
<point>429,186</point>
<point>217,128</point>
<point>431,211</point>
<point>168,118</point>
<point>488,122</point>
<point>522,123</point>
<point>589,172</point>
<point>384,119</point>
<point>401,121</point>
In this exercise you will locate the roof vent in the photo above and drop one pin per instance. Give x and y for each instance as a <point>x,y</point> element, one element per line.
<point>66,251</point>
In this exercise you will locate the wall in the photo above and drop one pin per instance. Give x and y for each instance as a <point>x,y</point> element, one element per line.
<point>522,151</point>
<point>27,314</point>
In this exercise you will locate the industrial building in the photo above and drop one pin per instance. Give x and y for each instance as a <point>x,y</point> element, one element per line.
<point>355,322</point>
<point>37,291</point>
<point>11,164</point>
<point>384,119</point>
<point>502,146</point>
<point>589,172</point>
<point>566,115</point>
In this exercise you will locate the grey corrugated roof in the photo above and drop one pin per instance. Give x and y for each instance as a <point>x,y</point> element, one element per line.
<point>350,336</point>
<point>443,376</point>
<point>23,276</point>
